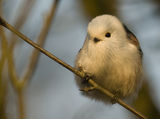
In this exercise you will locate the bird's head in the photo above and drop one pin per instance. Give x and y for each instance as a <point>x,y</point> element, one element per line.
<point>106,28</point>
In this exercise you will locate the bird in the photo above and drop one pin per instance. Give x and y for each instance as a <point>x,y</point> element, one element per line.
<point>111,55</point>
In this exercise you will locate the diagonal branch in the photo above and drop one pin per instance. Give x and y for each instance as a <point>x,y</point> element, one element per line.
<point>43,34</point>
<point>75,71</point>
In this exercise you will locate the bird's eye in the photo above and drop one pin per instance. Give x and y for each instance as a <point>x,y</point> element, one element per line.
<point>108,34</point>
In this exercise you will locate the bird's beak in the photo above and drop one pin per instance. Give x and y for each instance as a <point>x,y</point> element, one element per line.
<point>96,40</point>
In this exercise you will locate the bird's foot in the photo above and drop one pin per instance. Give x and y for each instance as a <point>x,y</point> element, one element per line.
<point>86,78</point>
<point>86,89</point>
<point>115,98</point>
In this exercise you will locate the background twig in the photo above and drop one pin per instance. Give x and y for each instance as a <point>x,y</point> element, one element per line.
<point>3,81</point>
<point>20,20</point>
<point>17,82</point>
<point>43,34</point>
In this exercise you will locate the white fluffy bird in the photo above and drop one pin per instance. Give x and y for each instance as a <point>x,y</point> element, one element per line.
<point>111,54</point>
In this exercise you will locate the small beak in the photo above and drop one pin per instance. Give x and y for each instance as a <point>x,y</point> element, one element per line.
<point>96,40</point>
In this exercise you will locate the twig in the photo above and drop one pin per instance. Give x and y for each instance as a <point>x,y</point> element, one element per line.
<point>80,74</point>
<point>21,104</point>
<point>20,19</point>
<point>3,51</point>
<point>43,34</point>
<point>3,81</point>
<point>6,55</point>
<point>3,46</point>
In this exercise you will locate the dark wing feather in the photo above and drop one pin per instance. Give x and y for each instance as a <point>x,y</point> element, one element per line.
<point>133,39</point>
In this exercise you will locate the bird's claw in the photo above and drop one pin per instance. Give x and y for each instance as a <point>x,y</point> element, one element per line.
<point>115,99</point>
<point>87,77</point>
<point>86,89</point>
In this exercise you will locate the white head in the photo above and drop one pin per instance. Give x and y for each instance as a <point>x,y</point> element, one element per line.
<point>107,32</point>
<point>106,28</point>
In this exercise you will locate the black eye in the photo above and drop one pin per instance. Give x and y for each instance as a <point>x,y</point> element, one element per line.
<point>108,35</point>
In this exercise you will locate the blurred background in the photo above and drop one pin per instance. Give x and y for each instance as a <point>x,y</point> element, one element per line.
<point>45,90</point>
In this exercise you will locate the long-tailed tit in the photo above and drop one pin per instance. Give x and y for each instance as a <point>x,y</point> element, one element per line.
<point>111,54</point>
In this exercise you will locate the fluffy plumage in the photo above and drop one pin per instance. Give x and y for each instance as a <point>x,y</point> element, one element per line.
<point>112,54</point>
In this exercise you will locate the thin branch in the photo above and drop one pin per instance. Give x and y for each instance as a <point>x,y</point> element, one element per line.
<point>20,19</point>
<point>3,81</point>
<point>5,55</point>
<point>80,74</point>
<point>3,46</point>
<point>21,105</point>
<point>8,55</point>
<point>12,71</point>
<point>43,34</point>
<point>3,51</point>
<point>27,5</point>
